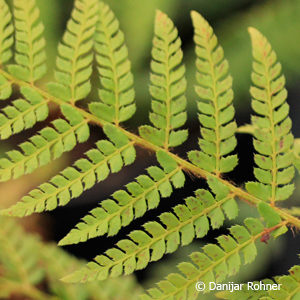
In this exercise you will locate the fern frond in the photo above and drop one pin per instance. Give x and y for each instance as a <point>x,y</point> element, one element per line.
<point>273,139</point>
<point>18,258</point>
<point>168,86</point>
<point>216,112</point>
<point>116,93</point>
<point>6,33</point>
<point>25,262</point>
<point>23,113</point>
<point>142,195</point>
<point>108,157</point>
<point>92,30</point>
<point>245,293</point>
<point>30,54</point>
<point>57,263</point>
<point>179,228</point>
<point>289,288</point>
<point>49,144</point>
<point>74,61</point>
<point>213,264</point>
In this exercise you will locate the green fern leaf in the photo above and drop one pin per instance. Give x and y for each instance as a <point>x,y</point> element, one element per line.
<point>116,93</point>
<point>289,288</point>
<point>25,262</point>
<point>181,227</point>
<point>297,154</point>
<point>44,147</point>
<point>93,28</point>
<point>5,88</point>
<point>271,218</point>
<point>74,54</point>
<point>142,195</point>
<point>6,33</point>
<point>23,113</point>
<point>30,54</point>
<point>213,264</point>
<point>108,157</point>
<point>216,111</point>
<point>168,86</point>
<point>273,139</point>
<point>245,293</point>
<point>57,263</point>
<point>18,259</point>
<point>295,211</point>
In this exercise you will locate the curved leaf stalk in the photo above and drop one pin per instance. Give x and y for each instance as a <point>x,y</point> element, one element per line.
<point>189,167</point>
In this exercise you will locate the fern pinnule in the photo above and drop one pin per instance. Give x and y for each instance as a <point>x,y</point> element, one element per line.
<point>288,288</point>
<point>108,157</point>
<point>168,86</point>
<point>290,285</point>
<point>142,195</point>
<point>5,88</point>
<point>158,238</point>
<point>273,139</point>
<point>216,112</point>
<point>30,56</point>
<point>6,33</point>
<point>246,293</point>
<point>297,154</point>
<point>49,144</point>
<point>116,93</point>
<point>74,61</point>
<point>23,113</point>
<point>214,263</point>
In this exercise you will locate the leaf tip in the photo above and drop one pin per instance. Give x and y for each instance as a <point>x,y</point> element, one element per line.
<point>159,14</point>
<point>194,14</point>
<point>74,277</point>
<point>68,279</point>
<point>63,241</point>
<point>252,30</point>
<point>4,212</point>
<point>161,21</point>
<point>254,33</point>
<point>8,212</point>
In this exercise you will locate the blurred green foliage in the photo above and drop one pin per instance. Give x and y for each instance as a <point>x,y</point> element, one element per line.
<point>32,269</point>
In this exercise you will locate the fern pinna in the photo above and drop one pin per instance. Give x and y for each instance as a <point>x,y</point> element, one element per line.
<point>93,34</point>
<point>26,262</point>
